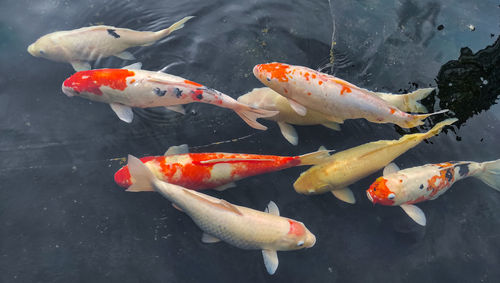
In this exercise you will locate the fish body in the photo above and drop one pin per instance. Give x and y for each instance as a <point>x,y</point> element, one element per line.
<point>348,166</point>
<point>82,45</point>
<point>266,98</point>
<point>239,226</point>
<point>126,88</point>
<point>331,96</point>
<point>199,171</point>
<point>413,185</point>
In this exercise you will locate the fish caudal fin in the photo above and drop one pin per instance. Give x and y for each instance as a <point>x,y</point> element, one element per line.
<point>250,115</point>
<point>174,27</point>
<point>314,158</point>
<point>490,174</point>
<point>141,175</point>
<point>416,120</point>
<point>411,100</point>
<point>439,127</point>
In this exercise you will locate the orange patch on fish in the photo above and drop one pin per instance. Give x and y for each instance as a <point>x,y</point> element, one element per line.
<point>441,181</point>
<point>392,110</point>
<point>192,83</point>
<point>296,228</point>
<point>92,80</point>
<point>276,70</point>
<point>345,86</point>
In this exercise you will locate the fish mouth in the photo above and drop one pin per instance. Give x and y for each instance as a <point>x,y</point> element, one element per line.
<point>68,91</point>
<point>31,50</point>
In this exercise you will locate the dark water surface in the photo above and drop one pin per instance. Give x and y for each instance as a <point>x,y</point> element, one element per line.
<point>63,219</point>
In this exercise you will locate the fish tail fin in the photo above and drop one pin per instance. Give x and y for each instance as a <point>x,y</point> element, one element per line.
<point>251,114</point>
<point>320,156</point>
<point>142,176</point>
<point>411,100</point>
<point>416,120</point>
<point>490,174</point>
<point>439,127</point>
<point>175,26</point>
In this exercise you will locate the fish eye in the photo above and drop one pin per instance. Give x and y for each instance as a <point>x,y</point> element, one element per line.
<point>300,243</point>
<point>391,196</point>
<point>42,52</point>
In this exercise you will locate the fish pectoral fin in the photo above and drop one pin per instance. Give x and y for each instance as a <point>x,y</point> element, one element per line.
<point>297,107</point>
<point>176,108</point>
<point>345,195</point>
<point>272,208</point>
<point>289,133</point>
<point>415,213</point>
<point>331,125</point>
<point>270,260</point>
<point>125,55</point>
<point>209,239</point>
<point>225,187</point>
<point>135,66</point>
<point>123,112</point>
<point>81,66</point>
<point>177,149</point>
<point>390,168</point>
<point>177,207</point>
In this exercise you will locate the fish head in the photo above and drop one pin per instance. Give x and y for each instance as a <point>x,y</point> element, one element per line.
<point>312,181</point>
<point>274,75</point>
<point>123,178</point>
<point>386,191</point>
<point>46,48</point>
<point>90,84</point>
<point>297,237</point>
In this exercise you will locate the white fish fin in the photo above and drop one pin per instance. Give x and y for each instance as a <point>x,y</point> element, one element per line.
<point>176,108</point>
<point>219,160</point>
<point>411,100</point>
<point>209,239</point>
<point>491,174</point>
<point>416,120</point>
<point>322,148</point>
<point>289,133</point>
<point>250,115</point>
<point>125,55</point>
<point>141,175</point>
<point>272,208</point>
<point>297,107</point>
<point>390,168</point>
<point>225,187</point>
<point>123,112</point>
<point>177,207</point>
<point>415,213</point>
<point>177,149</point>
<point>81,66</point>
<point>135,66</point>
<point>345,195</point>
<point>270,260</point>
<point>332,125</point>
<point>314,158</point>
<point>221,204</point>
<point>175,26</point>
<point>439,127</point>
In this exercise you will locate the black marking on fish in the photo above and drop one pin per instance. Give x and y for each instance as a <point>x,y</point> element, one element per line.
<point>159,92</point>
<point>199,96</point>
<point>113,33</point>
<point>268,79</point>
<point>463,169</point>
<point>178,93</point>
<point>421,186</point>
<point>449,175</point>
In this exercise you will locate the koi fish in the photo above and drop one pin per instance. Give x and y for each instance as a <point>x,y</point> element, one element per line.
<point>82,45</point>
<point>413,185</point>
<point>266,98</point>
<point>131,87</point>
<point>306,88</point>
<point>346,167</point>
<point>199,171</point>
<point>239,226</point>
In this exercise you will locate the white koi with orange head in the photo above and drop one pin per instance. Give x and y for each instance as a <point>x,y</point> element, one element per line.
<point>307,88</point>
<point>237,225</point>
<point>406,187</point>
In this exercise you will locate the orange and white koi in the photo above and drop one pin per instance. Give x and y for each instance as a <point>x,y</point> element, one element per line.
<point>82,45</point>
<point>266,98</point>
<point>236,225</point>
<point>336,98</point>
<point>132,87</point>
<point>349,166</point>
<point>406,187</point>
<point>199,171</point>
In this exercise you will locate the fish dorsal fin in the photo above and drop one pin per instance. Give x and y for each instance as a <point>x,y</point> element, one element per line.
<point>272,208</point>
<point>177,149</point>
<point>221,204</point>
<point>221,160</point>
<point>123,112</point>
<point>390,168</point>
<point>297,107</point>
<point>135,66</point>
<point>415,213</point>
<point>345,195</point>
<point>289,133</point>
<point>270,260</point>
<point>332,125</point>
<point>209,239</point>
<point>322,148</point>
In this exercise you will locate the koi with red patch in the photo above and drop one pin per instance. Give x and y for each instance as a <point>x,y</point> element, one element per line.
<point>406,187</point>
<point>199,171</point>
<point>306,88</point>
<point>236,225</point>
<point>132,87</point>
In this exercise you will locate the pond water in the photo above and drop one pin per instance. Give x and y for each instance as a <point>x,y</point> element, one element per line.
<point>63,219</point>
